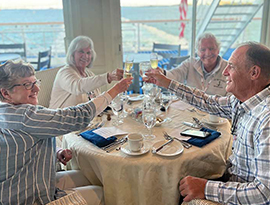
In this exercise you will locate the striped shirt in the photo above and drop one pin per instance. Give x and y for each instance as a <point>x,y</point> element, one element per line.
<point>27,147</point>
<point>250,181</point>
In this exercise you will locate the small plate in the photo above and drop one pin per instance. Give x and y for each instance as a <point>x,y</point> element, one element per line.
<point>169,150</point>
<point>125,149</point>
<point>221,122</point>
<point>135,97</point>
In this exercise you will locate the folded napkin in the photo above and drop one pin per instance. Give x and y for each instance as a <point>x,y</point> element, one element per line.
<point>200,142</point>
<point>97,139</point>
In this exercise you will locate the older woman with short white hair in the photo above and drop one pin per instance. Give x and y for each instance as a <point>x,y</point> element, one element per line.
<point>27,140</point>
<point>75,83</point>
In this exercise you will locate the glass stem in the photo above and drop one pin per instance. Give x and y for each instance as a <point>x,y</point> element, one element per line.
<point>150,132</point>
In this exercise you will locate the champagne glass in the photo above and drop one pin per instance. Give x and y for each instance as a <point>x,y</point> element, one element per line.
<point>117,108</point>
<point>165,101</point>
<point>128,66</point>
<point>154,60</point>
<point>149,118</point>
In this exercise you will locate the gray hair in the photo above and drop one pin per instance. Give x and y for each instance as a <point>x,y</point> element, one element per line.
<point>80,42</point>
<point>11,71</point>
<point>257,54</point>
<point>207,36</point>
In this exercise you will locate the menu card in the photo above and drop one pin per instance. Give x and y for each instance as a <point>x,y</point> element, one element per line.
<point>109,131</point>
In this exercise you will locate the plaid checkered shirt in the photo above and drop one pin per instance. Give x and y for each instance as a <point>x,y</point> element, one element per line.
<point>250,180</point>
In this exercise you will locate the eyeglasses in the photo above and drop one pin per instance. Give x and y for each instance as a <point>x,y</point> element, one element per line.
<point>28,86</point>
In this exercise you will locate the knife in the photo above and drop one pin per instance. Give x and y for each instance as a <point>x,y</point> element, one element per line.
<point>161,146</point>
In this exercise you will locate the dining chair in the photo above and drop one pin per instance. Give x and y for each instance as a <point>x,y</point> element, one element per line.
<point>17,48</point>
<point>174,62</point>
<point>47,79</point>
<point>44,59</point>
<point>166,51</point>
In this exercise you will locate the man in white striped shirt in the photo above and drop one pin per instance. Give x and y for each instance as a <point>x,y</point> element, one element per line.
<point>27,131</point>
<point>248,79</point>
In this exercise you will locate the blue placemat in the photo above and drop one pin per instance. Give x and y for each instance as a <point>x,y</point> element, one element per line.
<point>201,142</point>
<point>97,139</point>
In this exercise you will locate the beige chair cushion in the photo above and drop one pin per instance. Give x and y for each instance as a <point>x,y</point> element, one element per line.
<point>200,202</point>
<point>47,79</point>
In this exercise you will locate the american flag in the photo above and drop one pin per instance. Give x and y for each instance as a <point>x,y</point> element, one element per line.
<point>183,7</point>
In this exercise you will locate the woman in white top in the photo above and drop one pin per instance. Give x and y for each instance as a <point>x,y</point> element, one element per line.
<point>74,83</point>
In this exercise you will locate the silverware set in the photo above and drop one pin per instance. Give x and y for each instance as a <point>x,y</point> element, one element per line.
<point>113,145</point>
<point>168,137</point>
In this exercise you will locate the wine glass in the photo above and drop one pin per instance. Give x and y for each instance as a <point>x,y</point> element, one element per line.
<point>117,108</point>
<point>165,101</point>
<point>149,118</point>
<point>128,66</point>
<point>154,60</point>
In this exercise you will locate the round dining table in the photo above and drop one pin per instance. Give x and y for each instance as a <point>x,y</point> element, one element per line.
<point>150,178</point>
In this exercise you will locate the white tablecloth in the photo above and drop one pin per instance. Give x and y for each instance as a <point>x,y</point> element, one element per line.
<point>148,179</point>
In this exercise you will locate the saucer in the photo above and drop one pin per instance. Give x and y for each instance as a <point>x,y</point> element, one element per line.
<point>135,97</point>
<point>125,149</point>
<point>220,122</point>
<point>172,149</point>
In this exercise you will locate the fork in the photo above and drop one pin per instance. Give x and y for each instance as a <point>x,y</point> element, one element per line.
<point>168,137</point>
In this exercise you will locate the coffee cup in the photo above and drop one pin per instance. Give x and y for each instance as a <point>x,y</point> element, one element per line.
<point>214,118</point>
<point>135,142</point>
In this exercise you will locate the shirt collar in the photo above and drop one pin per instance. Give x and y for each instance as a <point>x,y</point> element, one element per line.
<point>207,74</point>
<point>255,100</point>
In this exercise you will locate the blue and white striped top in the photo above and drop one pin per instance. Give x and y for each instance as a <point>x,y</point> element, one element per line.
<point>250,181</point>
<point>27,148</point>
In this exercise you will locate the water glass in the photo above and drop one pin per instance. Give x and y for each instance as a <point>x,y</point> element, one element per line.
<point>144,66</point>
<point>117,108</point>
<point>165,101</point>
<point>149,118</point>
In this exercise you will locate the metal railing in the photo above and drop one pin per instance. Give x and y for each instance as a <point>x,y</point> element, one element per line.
<point>136,35</point>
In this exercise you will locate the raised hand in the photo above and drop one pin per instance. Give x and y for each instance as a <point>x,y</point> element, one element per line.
<point>157,77</point>
<point>120,87</point>
<point>115,75</point>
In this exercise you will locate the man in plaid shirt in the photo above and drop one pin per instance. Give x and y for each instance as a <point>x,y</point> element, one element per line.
<point>248,79</point>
